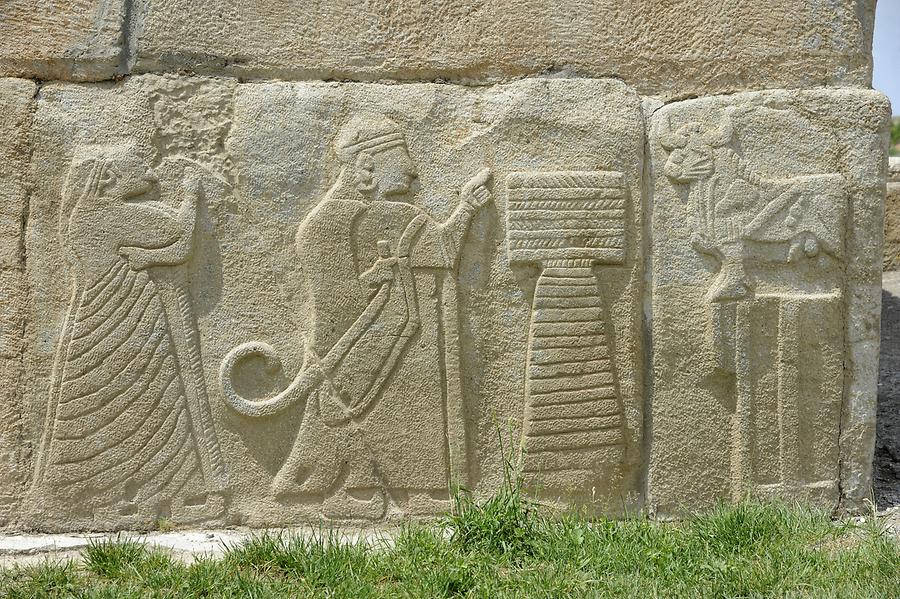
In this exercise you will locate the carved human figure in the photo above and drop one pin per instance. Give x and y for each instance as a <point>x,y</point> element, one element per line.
<point>124,436</point>
<point>372,262</point>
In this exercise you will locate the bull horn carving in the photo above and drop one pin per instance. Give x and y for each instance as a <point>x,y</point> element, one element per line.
<point>720,136</point>
<point>668,138</point>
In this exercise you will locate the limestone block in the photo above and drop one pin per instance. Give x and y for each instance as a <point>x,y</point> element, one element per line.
<point>62,39</point>
<point>767,236</point>
<point>892,217</point>
<point>266,303</point>
<point>674,48</point>
<point>16,107</point>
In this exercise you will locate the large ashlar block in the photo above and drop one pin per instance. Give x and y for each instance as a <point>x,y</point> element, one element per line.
<point>767,228</point>
<point>674,48</point>
<point>671,48</point>
<point>62,39</point>
<point>270,303</point>
<point>16,106</point>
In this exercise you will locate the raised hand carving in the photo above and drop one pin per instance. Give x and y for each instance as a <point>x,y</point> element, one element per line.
<point>127,433</point>
<point>476,192</point>
<point>179,251</point>
<point>372,264</point>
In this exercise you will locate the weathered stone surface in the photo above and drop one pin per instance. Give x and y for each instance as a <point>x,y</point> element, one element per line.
<point>887,446</point>
<point>767,221</point>
<point>239,288</point>
<point>892,217</point>
<point>16,107</point>
<point>62,39</point>
<point>886,470</point>
<point>267,303</point>
<point>672,49</point>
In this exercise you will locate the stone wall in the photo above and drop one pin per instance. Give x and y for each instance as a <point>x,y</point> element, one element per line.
<point>274,262</point>
<point>892,217</point>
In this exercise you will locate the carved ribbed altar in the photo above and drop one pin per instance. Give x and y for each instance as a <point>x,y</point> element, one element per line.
<point>572,404</point>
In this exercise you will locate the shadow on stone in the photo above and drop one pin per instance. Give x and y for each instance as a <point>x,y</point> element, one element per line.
<point>887,442</point>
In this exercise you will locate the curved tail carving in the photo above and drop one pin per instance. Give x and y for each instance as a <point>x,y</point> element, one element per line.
<point>303,384</point>
<point>309,376</point>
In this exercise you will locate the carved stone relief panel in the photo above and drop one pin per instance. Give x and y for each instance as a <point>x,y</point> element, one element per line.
<point>16,105</point>
<point>269,303</point>
<point>766,215</point>
<point>116,379</point>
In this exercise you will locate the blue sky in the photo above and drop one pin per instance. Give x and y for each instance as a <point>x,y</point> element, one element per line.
<point>886,51</point>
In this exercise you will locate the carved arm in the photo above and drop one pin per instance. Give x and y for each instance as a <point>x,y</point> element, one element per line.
<point>177,251</point>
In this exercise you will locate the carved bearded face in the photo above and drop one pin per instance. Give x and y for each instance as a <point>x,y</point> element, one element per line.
<point>393,171</point>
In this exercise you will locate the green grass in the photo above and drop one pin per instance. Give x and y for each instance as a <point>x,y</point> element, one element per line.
<point>507,546</point>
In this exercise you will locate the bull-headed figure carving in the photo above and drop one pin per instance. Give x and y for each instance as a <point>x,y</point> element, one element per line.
<point>734,207</point>
<point>776,290</point>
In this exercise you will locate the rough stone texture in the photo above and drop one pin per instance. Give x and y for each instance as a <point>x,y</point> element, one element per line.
<point>16,107</point>
<point>767,220</point>
<point>892,217</point>
<point>672,49</point>
<point>887,445</point>
<point>229,299</point>
<point>62,39</point>
<point>404,325</point>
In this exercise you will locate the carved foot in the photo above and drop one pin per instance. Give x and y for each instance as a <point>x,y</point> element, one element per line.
<point>355,504</point>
